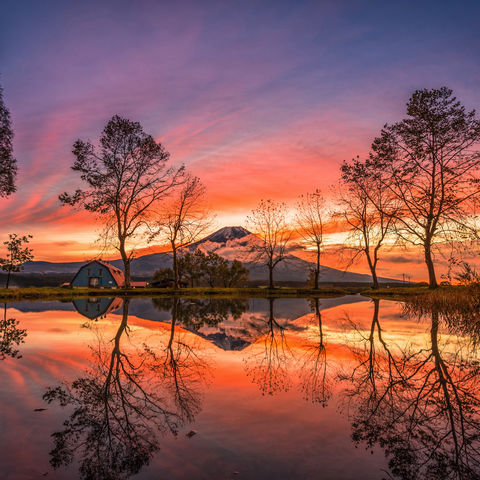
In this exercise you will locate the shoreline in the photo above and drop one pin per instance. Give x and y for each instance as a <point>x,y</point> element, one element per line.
<point>60,293</point>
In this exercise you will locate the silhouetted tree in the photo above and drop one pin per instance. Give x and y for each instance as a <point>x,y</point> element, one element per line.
<point>164,276</point>
<point>125,177</point>
<point>17,254</point>
<point>310,219</point>
<point>184,218</point>
<point>8,164</point>
<point>269,222</point>
<point>234,276</point>
<point>366,207</point>
<point>191,267</point>
<point>214,268</point>
<point>428,164</point>
<point>211,269</point>
<point>467,275</point>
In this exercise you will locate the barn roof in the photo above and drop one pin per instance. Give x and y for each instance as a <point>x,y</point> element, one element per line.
<point>116,273</point>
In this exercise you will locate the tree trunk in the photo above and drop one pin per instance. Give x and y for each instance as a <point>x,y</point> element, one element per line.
<point>127,273</point>
<point>175,268</point>
<point>126,263</point>
<point>373,271</point>
<point>317,270</point>
<point>432,279</point>
<point>8,279</point>
<point>270,279</point>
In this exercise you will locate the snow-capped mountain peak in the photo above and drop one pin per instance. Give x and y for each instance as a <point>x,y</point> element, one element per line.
<point>225,234</point>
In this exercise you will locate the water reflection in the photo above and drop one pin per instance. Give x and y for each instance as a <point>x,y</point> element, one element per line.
<point>97,307</point>
<point>419,404</point>
<point>405,378</point>
<point>315,382</point>
<point>197,315</point>
<point>182,369</point>
<point>11,336</point>
<point>269,365</point>
<point>123,401</point>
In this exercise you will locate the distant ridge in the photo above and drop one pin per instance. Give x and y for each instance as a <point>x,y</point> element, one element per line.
<point>231,243</point>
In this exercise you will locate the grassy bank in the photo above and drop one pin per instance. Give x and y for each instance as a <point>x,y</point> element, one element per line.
<point>48,293</point>
<point>441,297</point>
<point>442,294</point>
<point>401,292</point>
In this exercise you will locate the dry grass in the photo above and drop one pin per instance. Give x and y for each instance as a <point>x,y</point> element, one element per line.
<point>447,301</point>
<point>36,293</point>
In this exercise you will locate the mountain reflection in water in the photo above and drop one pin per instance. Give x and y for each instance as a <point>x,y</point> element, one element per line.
<point>249,376</point>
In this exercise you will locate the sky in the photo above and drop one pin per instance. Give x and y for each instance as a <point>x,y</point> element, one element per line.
<point>260,99</point>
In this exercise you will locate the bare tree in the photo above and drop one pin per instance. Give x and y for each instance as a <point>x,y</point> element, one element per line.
<point>310,220</point>
<point>269,222</point>
<point>184,218</point>
<point>366,207</point>
<point>8,164</point>
<point>428,164</point>
<point>17,254</point>
<point>126,176</point>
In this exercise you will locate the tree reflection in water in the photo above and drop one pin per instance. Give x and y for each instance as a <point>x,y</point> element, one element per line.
<point>269,366</point>
<point>313,370</point>
<point>10,336</point>
<point>123,402</point>
<point>420,404</point>
<point>197,312</point>
<point>180,367</point>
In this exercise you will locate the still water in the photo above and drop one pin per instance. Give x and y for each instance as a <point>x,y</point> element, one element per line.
<point>339,388</point>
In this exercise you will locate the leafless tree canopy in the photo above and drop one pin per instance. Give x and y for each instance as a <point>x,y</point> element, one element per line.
<point>366,207</point>
<point>184,218</point>
<point>310,221</point>
<point>125,177</point>
<point>269,222</point>
<point>429,165</point>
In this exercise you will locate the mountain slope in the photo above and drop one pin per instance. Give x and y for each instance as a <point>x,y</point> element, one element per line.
<point>231,243</point>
